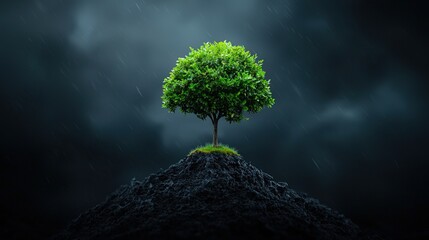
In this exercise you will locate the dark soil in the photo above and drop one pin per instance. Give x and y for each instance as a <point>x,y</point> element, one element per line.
<point>210,196</point>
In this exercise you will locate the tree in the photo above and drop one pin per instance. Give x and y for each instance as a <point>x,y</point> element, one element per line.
<point>217,80</point>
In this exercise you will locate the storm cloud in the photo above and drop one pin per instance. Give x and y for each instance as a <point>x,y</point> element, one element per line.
<point>81,107</point>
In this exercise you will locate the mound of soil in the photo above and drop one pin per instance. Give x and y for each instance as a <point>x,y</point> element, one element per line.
<point>210,196</point>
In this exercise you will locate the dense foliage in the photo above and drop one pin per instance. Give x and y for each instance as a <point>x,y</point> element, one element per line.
<point>217,80</point>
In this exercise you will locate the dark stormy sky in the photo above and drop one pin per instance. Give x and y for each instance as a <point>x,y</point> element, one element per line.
<point>81,110</point>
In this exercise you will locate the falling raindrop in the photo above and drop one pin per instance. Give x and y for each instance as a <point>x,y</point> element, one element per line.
<point>138,90</point>
<point>315,163</point>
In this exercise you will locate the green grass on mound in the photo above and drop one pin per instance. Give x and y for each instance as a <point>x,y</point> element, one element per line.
<point>209,148</point>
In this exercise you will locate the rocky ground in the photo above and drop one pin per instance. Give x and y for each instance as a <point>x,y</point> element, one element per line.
<point>210,196</point>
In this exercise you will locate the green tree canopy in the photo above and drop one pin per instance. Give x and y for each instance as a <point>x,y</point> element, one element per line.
<point>217,80</point>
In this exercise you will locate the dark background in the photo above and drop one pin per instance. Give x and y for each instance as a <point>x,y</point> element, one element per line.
<point>81,110</point>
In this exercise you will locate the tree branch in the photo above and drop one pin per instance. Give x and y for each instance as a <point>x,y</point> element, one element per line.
<point>219,115</point>
<point>211,118</point>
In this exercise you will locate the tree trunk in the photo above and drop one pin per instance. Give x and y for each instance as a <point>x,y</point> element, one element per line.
<point>215,141</point>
